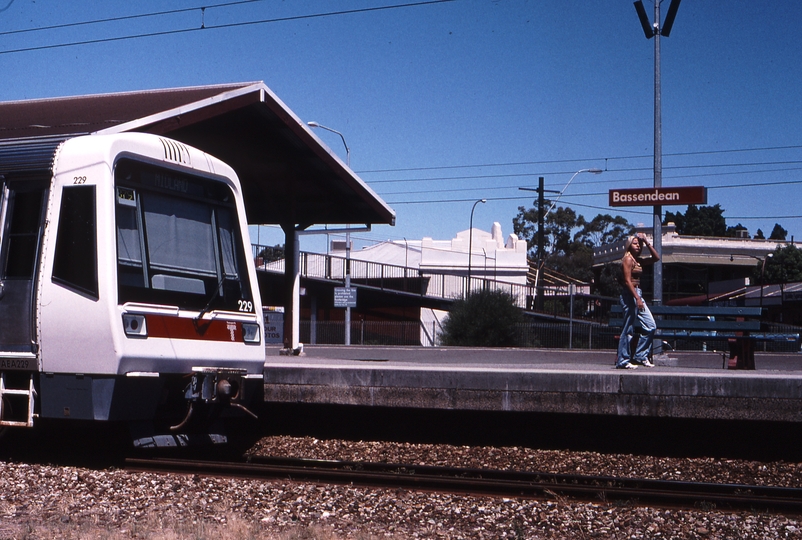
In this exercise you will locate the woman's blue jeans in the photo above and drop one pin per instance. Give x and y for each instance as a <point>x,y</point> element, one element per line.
<point>644,321</point>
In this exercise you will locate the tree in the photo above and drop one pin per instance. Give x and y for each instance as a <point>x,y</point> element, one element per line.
<point>759,235</point>
<point>778,233</point>
<point>484,319</point>
<point>603,229</point>
<point>569,239</point>
<point>784,266</point>
<point>559,225</point>
<point>524,225</point>
<point>699,221</point>
<point>270,254</point>
<point>578,264</point>
<point>557,228</point>
<point>735,232</point>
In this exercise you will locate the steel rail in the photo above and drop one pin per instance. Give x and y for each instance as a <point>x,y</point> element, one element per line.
<point>639,492</point>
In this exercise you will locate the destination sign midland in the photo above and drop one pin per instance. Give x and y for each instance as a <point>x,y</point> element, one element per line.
<point>658,196</point>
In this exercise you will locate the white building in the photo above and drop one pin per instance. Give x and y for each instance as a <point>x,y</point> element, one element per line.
<point>492,256</point>
<point>447,263</point>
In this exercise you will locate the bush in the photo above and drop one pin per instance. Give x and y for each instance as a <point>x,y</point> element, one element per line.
<point>483,319</point>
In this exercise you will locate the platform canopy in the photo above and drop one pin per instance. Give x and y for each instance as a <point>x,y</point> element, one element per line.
<point>289,177</point>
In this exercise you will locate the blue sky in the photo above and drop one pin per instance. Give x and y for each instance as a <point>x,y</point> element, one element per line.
<point>445,103</point>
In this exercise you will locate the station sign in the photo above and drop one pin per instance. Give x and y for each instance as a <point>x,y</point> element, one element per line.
<point>344,297</point>
<point>658,196</point>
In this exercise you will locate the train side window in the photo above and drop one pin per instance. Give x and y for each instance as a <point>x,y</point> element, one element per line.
<point>23,234</point>
<point>228,244</point>
<point>75,259</point>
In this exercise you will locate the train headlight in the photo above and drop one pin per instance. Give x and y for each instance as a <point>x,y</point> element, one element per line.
<point>135,325</point>
<point>250,333</point>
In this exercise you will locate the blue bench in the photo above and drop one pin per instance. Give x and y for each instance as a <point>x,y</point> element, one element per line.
<point>740,326</point>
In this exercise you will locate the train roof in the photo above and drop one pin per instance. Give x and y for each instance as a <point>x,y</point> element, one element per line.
<point>288,176</point>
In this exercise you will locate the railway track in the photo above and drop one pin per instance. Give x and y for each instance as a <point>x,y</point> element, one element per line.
<point>509,484</point>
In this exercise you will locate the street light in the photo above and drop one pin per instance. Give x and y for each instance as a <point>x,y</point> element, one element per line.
<point>347,150</point>
<point>762,273</point>
<point>470,242</point>
<point>592,171</point>
<point>347,236</point>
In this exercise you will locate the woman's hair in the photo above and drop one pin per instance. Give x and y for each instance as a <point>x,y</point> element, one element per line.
<point>628,243</point>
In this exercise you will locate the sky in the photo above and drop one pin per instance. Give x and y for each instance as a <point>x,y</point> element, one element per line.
<point>443,103</point>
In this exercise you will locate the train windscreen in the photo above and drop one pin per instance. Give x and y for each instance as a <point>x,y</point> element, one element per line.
<point>178,240</point>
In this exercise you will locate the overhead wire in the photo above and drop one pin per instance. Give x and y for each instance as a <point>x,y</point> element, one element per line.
<point>585,160</point>
<point>123,18</point>
<point>204,27</point>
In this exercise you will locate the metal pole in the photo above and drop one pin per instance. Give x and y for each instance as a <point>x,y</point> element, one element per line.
<point>470,245</point>
<point>654,30</point>
<point>762,281</point>
<point>571,290</point>
<point>657,236</point>
<point>348,286</point>
<point>347,235</point>
<point>541,240</point>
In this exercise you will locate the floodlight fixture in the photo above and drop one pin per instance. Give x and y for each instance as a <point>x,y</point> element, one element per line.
<point>644,20</point>
<point>670,16</point>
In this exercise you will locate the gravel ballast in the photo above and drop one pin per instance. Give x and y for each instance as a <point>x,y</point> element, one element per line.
<point>40,501</point>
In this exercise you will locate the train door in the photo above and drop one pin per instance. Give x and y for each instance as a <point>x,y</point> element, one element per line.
<point>21,218</point>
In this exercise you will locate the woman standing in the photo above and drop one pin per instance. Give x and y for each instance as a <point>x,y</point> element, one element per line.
<point>635,310</point>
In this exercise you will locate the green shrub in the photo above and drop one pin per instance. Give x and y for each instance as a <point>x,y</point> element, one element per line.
<point>483,319</point>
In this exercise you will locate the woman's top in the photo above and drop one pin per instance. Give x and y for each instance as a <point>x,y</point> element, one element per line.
<point>637,270</point>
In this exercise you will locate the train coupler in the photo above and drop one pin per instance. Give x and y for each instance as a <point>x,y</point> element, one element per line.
<point>221,386</point>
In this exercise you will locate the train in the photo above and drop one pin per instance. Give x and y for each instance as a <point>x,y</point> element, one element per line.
<point>127,290</point>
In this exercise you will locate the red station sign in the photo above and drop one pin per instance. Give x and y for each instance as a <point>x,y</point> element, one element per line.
<point>659,196</point>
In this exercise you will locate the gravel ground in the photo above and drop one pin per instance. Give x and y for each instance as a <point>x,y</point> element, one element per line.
<point>38,501</point>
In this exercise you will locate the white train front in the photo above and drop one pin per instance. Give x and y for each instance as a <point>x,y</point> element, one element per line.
<point>127,289</point>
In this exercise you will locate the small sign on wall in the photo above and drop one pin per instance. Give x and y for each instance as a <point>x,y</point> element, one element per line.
<point>344,297</point>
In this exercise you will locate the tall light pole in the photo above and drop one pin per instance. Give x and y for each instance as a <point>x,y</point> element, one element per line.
<point>541,254</point>
<point>763,280</point>
<point>654,30</point>
<point>762,273</point>
<point>347,236</point>
<point>470,244</point>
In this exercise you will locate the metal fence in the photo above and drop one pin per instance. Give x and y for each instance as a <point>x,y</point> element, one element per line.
<point>368,333</point>
<point>558,301</point>
<point>534,334</point>
<point>548,335</point>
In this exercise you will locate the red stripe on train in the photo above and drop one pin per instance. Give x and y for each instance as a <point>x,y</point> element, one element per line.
<point>166,326</point>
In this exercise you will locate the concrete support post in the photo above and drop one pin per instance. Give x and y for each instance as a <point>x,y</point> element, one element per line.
<point>292,291</point>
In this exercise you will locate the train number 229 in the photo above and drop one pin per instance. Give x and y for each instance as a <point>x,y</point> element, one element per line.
<point>245,305</point>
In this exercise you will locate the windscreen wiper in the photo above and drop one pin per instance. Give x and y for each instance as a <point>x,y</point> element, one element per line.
<point>207,308</point>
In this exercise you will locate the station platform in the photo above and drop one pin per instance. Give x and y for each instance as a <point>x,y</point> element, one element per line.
<point>690,385</point>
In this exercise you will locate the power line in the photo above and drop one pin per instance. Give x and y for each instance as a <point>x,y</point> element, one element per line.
<point>582,160</point>
<point>124,18</point>
<point>619,181</point>
<point>222,26</point>
<point>622,170</point>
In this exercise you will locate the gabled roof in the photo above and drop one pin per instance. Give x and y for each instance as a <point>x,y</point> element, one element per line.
<point>288,175</point>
